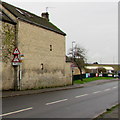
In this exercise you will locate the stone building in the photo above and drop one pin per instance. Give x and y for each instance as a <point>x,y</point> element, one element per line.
<point>7,44</point>
<point>40,42</point>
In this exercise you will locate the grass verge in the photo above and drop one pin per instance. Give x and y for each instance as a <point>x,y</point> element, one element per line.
<point>91,79</point>
<point>108,111</point>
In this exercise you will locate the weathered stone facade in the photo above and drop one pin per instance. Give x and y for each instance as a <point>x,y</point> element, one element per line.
<point>44,56</point>
<point>7,32</point>
<point>41,66</point>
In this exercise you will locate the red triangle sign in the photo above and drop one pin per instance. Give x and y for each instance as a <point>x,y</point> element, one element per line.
<point>16,51</point>
<point>16,59</point>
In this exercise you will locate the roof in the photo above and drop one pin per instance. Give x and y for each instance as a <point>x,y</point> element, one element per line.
<point>96,67</point>
<point>31,18</point>
<point>5,18</point>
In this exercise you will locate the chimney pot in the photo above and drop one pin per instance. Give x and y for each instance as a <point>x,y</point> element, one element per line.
<point>45,15</point>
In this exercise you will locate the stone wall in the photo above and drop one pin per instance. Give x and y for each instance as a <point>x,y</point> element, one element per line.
<point>44,57</point>
<point>68,73</point>
<point>7,32</point>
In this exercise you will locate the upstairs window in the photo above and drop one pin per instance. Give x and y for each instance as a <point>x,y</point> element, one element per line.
<point>28,14</point>
<point>0,13</point>
<point>20,11</point>
<point>24,13</point>
<point>41,66</point>
<point>50,47</point>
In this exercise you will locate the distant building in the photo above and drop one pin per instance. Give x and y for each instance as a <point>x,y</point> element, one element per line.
<point>42,46</point>
<point>94,68</point>
<point>110,68</point>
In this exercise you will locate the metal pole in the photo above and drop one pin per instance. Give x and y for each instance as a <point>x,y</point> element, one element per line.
<point>72,48</point>
<point>72,60</point>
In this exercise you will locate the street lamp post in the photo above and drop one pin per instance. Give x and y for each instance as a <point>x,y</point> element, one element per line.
<point>72,48</point>
<point>72,59</point>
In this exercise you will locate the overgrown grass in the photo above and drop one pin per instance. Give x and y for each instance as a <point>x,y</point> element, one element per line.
<point>108,111</point>
<point>91,79</point>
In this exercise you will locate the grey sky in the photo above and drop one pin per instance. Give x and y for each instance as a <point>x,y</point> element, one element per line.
<point>93,25</point>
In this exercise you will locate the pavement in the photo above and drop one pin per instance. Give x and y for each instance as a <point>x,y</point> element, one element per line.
<point>28,92</point>
<point>112,114</point>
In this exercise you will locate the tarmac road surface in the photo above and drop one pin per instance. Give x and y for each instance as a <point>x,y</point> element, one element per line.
<point>87,102</point>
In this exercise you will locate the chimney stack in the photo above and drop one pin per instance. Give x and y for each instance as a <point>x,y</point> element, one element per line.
<point>45,15</point>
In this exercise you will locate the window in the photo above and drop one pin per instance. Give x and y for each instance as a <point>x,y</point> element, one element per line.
<point>28,14</point>
<point>20,11</point>
<point>50,47</point>
<point>0,13</point>
<point>23,12</point>
<point>41,66</point>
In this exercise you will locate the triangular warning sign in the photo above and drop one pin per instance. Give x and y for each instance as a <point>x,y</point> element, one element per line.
<point>16,59</point>
<point>16,51</point>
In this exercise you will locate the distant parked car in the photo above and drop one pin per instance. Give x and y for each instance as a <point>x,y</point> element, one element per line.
<point>116,76</point>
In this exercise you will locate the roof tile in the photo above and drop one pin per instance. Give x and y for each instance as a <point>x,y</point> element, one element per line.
<point>32,18</point>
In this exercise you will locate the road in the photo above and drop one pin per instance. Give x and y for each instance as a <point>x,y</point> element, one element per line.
<point>85,102</point>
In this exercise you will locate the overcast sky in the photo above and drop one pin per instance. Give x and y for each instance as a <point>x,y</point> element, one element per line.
<point>93,25</point>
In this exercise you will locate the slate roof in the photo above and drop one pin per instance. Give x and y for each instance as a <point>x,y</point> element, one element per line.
<point>31,18</point>
<point>5,18</point>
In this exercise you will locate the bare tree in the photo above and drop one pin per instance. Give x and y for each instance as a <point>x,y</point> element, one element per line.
<point>101,70</point>
<point>78,57</point>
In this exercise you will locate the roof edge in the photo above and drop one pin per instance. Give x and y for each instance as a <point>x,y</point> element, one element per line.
<point>31,22</point>
<point>41,26</point>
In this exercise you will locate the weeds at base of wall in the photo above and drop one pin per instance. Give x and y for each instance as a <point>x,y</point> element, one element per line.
<point>46,87</point>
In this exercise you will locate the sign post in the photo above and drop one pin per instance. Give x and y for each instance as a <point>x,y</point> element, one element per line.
<point>16,51</point>
<point>16,60</point>
<point>16,63</point>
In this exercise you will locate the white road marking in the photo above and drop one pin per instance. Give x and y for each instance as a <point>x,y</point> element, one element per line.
<point>22,110</point>
<point>56,101</point>
<point>114,87</point>
<point>96,92</point>
<point>81,95</point>
<point>107,89</point>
